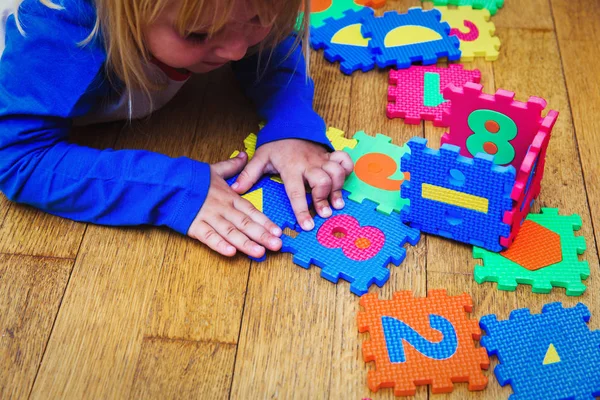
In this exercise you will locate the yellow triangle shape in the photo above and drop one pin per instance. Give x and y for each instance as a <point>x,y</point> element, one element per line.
<point>551,355</point>
<point>256,198</point>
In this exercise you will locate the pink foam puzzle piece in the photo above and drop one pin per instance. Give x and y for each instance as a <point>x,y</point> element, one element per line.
<point>469,99</point>
<point>529,178</point>
<point>415,94</point>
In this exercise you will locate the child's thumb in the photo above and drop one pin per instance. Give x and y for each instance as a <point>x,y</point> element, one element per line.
<point>249,176</point>
<point>228,168</point>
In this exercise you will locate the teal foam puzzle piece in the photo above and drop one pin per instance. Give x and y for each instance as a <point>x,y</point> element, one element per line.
<point>377,175</point>
<point>335,11</point>
<point>491,5</point>
<point>568,273</point>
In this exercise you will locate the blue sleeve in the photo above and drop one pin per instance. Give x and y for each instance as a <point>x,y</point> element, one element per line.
<point>47,79</point>
<point>283,95</point>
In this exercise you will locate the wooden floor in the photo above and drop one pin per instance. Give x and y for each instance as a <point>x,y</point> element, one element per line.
<point>98,312</point>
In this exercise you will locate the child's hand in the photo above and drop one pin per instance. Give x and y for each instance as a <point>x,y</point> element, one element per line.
<point>226,221</point>
<point>298,161</point>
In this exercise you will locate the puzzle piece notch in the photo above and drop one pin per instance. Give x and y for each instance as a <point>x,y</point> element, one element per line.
<point>419,368</point>
<point>568,273</point>
<point>399,40</point>
<point>334,264</point>
<point>480,39</point>
<point>491,5</point>
<point>409,88</point>
<point>459,198</point>
<point>377,176</point>
<point>522,342</point>
<point>343,41</point>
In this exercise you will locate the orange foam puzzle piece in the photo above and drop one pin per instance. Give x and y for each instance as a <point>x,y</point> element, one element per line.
<point>371,3</point>
<point>464,364</point>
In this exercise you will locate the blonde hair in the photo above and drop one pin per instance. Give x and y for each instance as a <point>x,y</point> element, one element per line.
<point>121,24</point>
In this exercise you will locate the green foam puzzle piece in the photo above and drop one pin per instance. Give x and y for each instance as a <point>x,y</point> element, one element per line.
<point>568,273</point>
<point>387,200</point>
<point>492,5</point>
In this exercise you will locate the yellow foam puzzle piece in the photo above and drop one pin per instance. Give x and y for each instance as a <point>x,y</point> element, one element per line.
<point>486,45</point>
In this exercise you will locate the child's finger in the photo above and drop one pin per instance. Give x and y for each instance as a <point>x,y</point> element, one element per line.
<point>249,175</point>
<point>320,184</point>
<point>338,176</point>
<point>228,168</point>
<point>344,159</point>
<point>236,238</point>
<point>254,230</point>
<point>294,187</point>
<point>207,235</point>
<point>247,208</point>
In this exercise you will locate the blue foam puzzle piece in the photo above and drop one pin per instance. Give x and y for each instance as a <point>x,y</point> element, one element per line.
<point>276,204</point>
<point>403,56</point>
<point>522,342</point>
<point>334,264</point>
<point>351,58</point>
<point>481,178</point>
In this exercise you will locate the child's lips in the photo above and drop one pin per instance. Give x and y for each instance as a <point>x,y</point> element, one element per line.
<point>215,64</point>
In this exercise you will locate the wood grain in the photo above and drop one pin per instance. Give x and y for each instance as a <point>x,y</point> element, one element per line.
<point>99,312</point>
<point>31,290</point>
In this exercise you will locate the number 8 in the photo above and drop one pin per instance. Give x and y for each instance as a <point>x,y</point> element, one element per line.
<point>493,132</point>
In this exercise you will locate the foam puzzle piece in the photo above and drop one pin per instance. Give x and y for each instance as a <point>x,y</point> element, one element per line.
<point>399,40</point>
<point>491,5</point>
<point>474,30</point>
<point>552,355</point>
<point>371,3</point>
<point>456,197</point>
<point>324,9</point>
<point>270,197</point>
<point>415,93</point>
<point>568,272</point>
<point>514,132</point>
<point>420,341</point>
<point>343,41</point>
<point>376,175</point>
<point>355,244</point>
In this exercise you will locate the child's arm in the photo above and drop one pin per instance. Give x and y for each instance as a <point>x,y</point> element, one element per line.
<point>284,97</point>
<point>47,79</point>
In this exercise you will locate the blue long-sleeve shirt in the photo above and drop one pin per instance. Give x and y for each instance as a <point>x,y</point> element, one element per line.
<point>47,80</point>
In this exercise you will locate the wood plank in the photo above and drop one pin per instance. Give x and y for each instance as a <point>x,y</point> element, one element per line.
<point>98,334</point>
<point>4,207</point>
<point>26,230</point>
<point>535,15</point>
<point>563,186</point>
<point>31,290</point>
<point>577,23</point>
<point>177,369</point>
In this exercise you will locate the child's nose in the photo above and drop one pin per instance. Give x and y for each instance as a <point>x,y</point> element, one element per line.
<point>233,47</point>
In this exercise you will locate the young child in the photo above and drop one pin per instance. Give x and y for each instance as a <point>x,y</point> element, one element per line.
<point>85,61</point>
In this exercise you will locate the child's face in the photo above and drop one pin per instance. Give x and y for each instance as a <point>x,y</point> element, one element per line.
<point>196,52</point>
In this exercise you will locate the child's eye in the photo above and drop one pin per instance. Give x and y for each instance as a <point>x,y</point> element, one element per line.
<point>197,37</point>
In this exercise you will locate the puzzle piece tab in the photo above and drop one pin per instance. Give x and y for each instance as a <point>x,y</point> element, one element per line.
<point>415,93</point>
<point>491,5</point>
<point>371,3</point>
<point>377,175</point>
<point>475,32</point>
<point>510,267</point>
<point>552,355</point>
<point>399,40</point>
<point>460,198</point>
<point>355,244</point>
<point>343,41</point>
<point>420,341</point>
